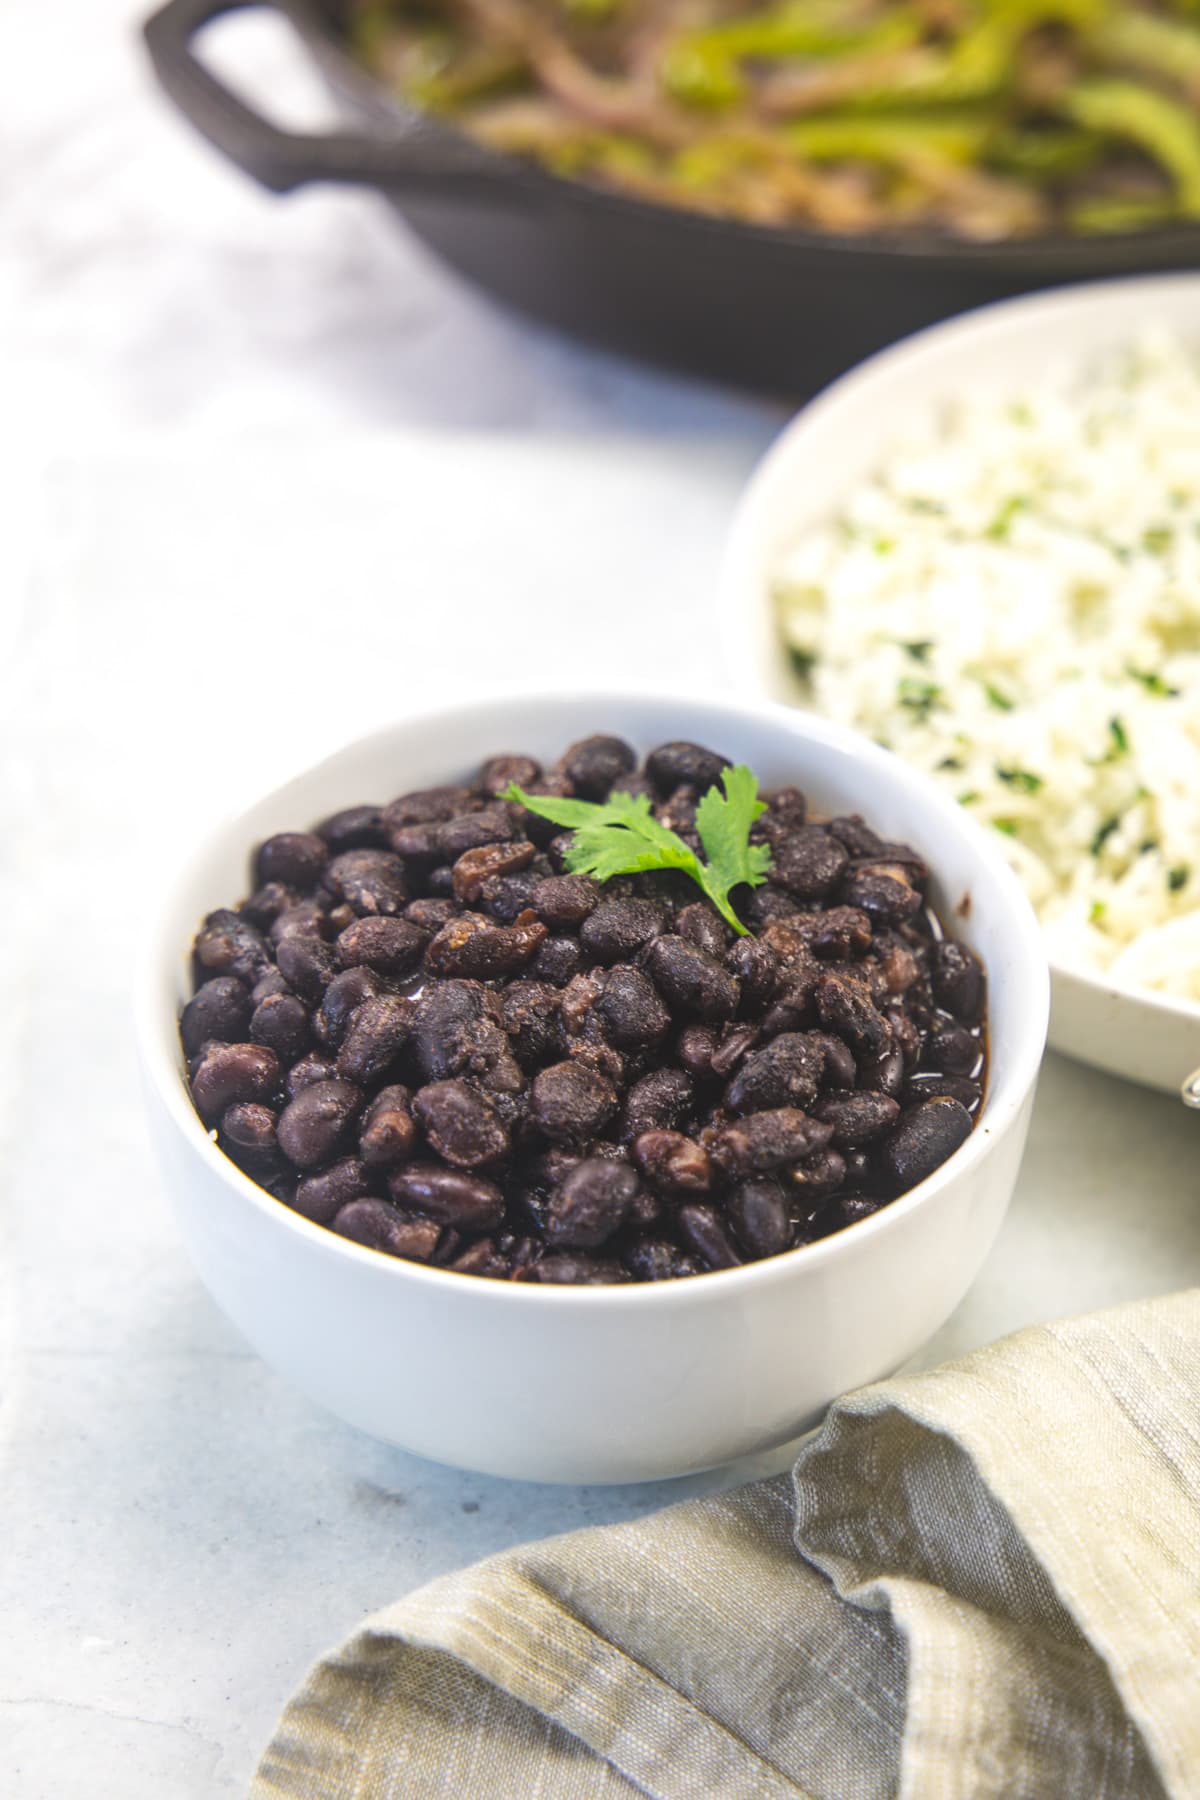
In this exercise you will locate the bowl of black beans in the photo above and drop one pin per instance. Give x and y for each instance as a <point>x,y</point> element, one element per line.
<point>590,1088</point>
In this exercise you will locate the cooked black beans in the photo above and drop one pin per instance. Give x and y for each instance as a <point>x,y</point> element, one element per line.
<point>219,1008</point>
<point>424,1032</point>
<point>321,1197</point>
<point>692,981</point>
<point>590,1204</point>
<point>313,1125</point>
<point>223,1073</point>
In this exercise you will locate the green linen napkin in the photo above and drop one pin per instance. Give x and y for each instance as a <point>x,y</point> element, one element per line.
<point>981,1581</point>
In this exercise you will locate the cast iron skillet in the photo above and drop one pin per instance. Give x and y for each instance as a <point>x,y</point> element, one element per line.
<point>772,309</point>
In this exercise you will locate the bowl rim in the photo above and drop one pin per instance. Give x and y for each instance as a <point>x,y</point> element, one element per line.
<point>1019,314</point>
<point>156,1015</point>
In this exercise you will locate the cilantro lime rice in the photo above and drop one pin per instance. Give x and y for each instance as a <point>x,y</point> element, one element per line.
<point>1012,603</point>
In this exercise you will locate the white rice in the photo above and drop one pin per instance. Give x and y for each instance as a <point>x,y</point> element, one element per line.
<point>1012,602</point>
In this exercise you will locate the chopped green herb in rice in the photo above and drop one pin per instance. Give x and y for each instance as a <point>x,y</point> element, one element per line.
<point>1032,638</point>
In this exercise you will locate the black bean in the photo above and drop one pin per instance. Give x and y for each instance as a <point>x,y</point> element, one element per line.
<point>249,1127</point>
<point>808,863</point>
<point>817,1176</point>
<point>578,1270</point>
<point>700,925</point>
<point>673,1163</point>
<point>472,946</point>
<point>388,1132</point>
<point>839,1068</point>
<point>269,982</point>
<point>229,945</point>
<point>476,867</point>
<point>425,806</point>
<point>306,919</point>
<point>660,1101</point>
<point>882,1073</point>
<point>785,1072</point>
<point>570,1103</point>
<point>847,1209</point>
<point>672,765</point>
<point>788,940</point>
<point>281,1021</point>
<point>843,932</point>
<point>925,1136</point>
<point>452,1196</point>
<point>381,1227</point>
<point>931,1086</point>
<point>630,1010</point>
<point>389,945</point>
<point>734,1042</point>
<point>859,1175</point>
<point>461,1125</point>
<point>595,765</point>
<point>531,1019</point>
<point>377,1032</point>
<point>505,897</point>
<point>499,772</point>
<point>590,1204</point>
<point>564,901</point>
<point>228,1072</point>
<point>856,1117</point>
<point>307,964</point>
<point>307,1072</point>
<point>691,980</point>
<point>765,905</point>
<point>884,892</point>
<point>297,858</point>
<point>702,1231</point>
<point>788,805</point>
<point>312,1126</point>
<point>219,1008</point>
<point>320,1197</point>
<point>653,1259</point>
<point>445,1024</point>
<point>958,981</point>
<point>430,913</point>
<point>267,902</point>
<point>616,929</point>
<point>481,1258</point>
<point>695,1048</point>
<point>471,830</point>
<point>757,970</point>
<point>911,865</point>
<point>341,1000</point>
<point>354,828</point>
<point>858,838</point>
<point>766,1140</point>
<point>371,882</point>
<point>558,961</point>
<point>905,1034</point>
<point>952,1049</point>
<point>846,1009</point>
<point>758,1213</point>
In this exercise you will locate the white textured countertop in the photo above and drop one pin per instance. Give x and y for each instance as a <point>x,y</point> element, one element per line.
<point>225,547</point>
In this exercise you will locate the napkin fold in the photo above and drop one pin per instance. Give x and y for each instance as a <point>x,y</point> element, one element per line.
<point>979,1581</point>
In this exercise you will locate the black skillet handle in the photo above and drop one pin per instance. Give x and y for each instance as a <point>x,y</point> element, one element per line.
<point>426,157</point>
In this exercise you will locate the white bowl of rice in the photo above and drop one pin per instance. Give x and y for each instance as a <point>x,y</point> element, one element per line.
<point>982,549</point>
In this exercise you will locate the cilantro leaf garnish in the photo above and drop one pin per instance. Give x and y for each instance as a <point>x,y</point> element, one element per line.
<point>621,836</point>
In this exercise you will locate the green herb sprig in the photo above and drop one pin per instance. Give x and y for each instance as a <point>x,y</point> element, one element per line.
<point>621,836</point>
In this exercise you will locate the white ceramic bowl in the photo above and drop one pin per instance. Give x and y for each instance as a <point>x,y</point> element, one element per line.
<point>837,440</point>
<point>622,1383</point>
